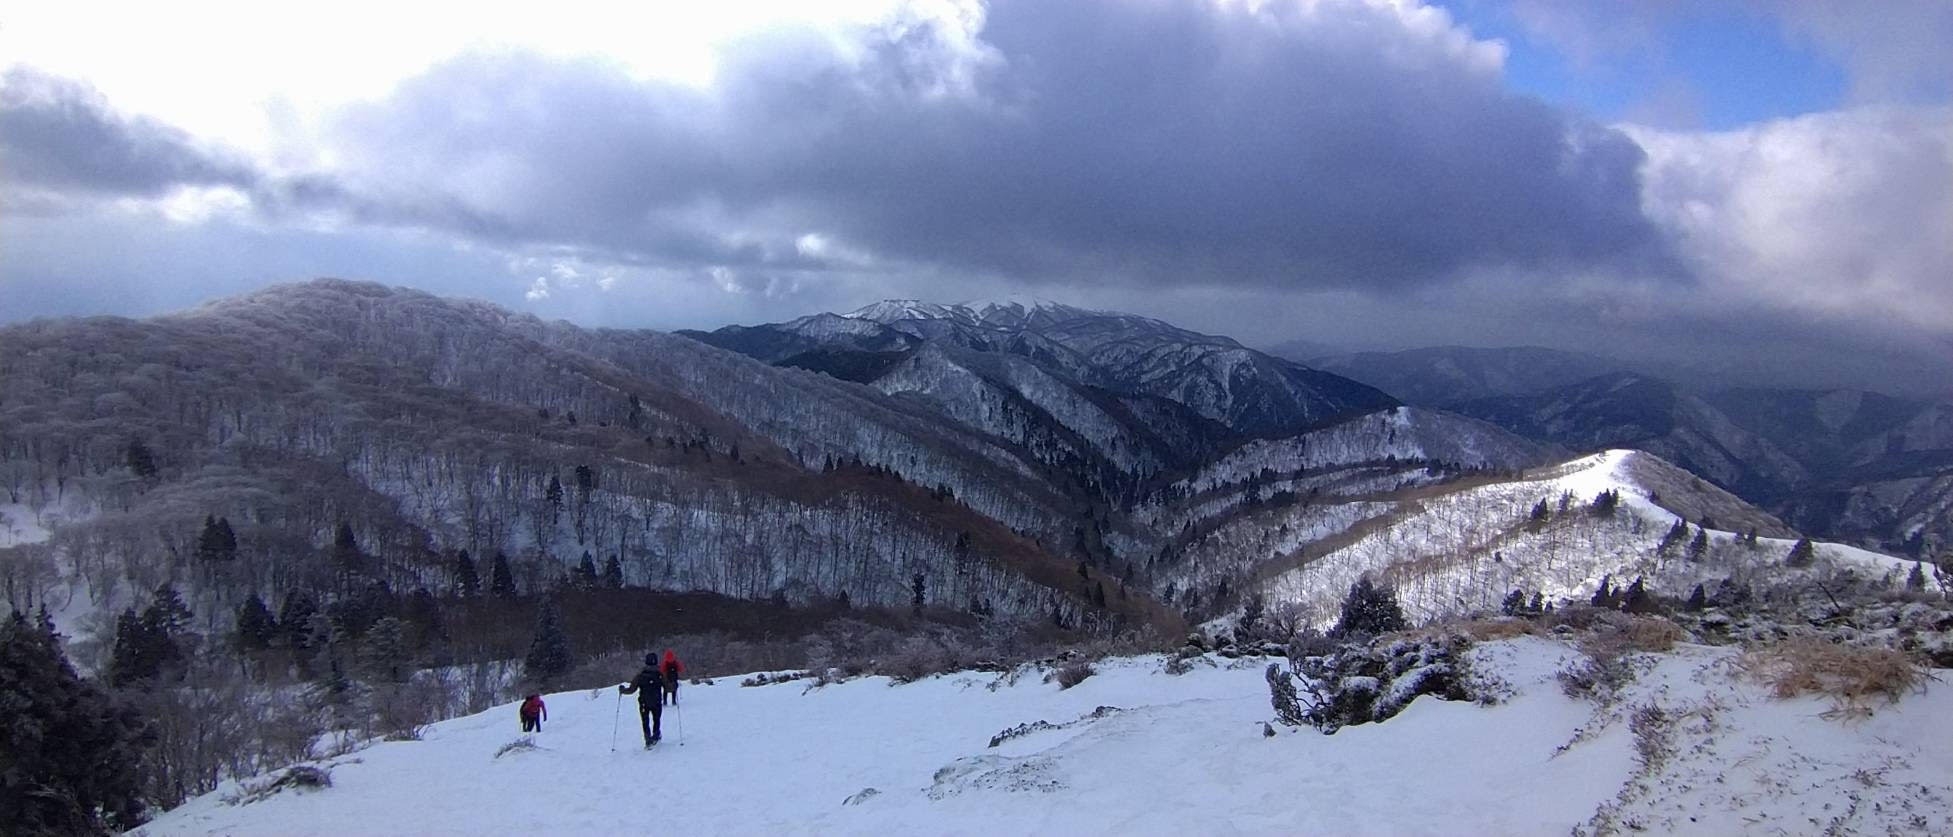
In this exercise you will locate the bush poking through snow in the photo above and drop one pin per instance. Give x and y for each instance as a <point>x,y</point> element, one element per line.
<point>1366,682</point>
<point>520,745</point>
<point>299,777</point>
<point>1074,673</point>
<point>1851,676</point>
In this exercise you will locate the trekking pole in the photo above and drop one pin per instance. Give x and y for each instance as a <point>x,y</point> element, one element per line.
<point>681,723</point>
<point>614,715</point>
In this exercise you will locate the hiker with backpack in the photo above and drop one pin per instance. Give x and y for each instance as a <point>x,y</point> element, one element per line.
<point>671,669</point>
<point>533,713</point>
<point>649,686</point>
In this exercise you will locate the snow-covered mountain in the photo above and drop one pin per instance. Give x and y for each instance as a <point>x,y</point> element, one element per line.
<point>1252,393</point>
<point>1842,463</point>
<point>1135,750</point>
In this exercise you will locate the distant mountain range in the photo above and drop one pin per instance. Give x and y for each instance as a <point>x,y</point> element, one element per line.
<point>1019,459</point>
<point>1849,464</point>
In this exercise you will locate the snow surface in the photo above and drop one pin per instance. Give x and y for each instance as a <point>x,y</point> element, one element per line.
<point>1179,754</point>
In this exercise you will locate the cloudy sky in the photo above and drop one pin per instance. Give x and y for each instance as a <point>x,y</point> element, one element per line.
<point>1762,187</point>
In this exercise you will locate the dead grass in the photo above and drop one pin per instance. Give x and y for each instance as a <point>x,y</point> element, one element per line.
<point>1492,630</point>
<point>1850,675</point>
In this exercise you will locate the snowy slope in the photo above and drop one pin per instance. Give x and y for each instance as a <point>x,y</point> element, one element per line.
<point>1464,548</point>
<point>1174,755</point>
<point>1403,433</point>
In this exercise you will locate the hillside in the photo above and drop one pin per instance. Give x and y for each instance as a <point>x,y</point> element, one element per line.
<point>1133,750</point>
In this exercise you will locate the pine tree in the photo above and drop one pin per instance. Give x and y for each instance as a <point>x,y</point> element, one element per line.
<point>1538,605</point>
<point>383,650</point>
<point>216,542</point>
<point>1916,580</point>
<point>256,630</point>
<point>1676,535</point>
<point>1802,554</point>
<point>917,586</point>
<point>1604,503</point>
<point>347,557</point>
<point>295,619</point>
<point>1636,599</point>
<point>549,652</point>
<point>1604,594</point>
<point>1699,547</point>
<point>1539,515</point>
<point>553,500</point>
<point>614,573</point>
<point>1369,610</point>
<point>586,572</point>
<point>1515,601</point>
<point>1698,599</point>
<point>501,581</point>
<point>70,754</point>
<point>467,579</point>
<point>141,461</point>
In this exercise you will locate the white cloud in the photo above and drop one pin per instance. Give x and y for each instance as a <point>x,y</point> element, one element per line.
<point>1844,214</point>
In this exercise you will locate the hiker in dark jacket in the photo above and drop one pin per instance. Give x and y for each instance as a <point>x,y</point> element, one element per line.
<point>672,668</point>
<point>649,686</point>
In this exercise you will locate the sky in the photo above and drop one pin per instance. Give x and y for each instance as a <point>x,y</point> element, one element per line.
<point>1760,188</point>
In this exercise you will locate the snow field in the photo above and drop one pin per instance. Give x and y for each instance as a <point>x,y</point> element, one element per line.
<point>1186,755</point>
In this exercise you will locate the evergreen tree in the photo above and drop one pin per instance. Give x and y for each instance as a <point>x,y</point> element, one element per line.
<point>614,573</point>
<point>501,581</point>
<point>1802,554</point>
<point>256,629</point>
<point>295,619</point>
<point>1699,547</point>
<point>1369,610</point>
<point>1916,580</point>
<point>553,500</point>
<point>1676,535</point>
<point>383,651</point>
<point>1636,599</point>
<point>1604,503</point>
<point>1515,602</point>
<point>918,586</point>
<point>549,652</point>
<point>68,754</point>
<point>141,461</point>
<point>1538,605</point>
<point>1698,599</point>
<point>216,542</point>
<point>347,557</point>
<point>1604,594</point>
<point>1539,515</point>
<point>585,577</point>
<point>467,579</point>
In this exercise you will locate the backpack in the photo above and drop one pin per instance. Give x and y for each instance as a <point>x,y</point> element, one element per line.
<point>532,707</point>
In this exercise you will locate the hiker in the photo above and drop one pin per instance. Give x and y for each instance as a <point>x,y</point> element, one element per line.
<point>533,713</point>
<point>671,669</point>
<point>649,686</point>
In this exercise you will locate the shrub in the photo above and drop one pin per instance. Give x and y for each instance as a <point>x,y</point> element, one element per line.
<point>520,745</point>
<point>1074,673</point>
<point>1369,610</point>
<point>1851,676</point>
<point>1369,682</point>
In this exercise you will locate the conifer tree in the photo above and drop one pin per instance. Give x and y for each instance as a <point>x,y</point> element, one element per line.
<point>256,629</point>
<point>1604,594</point>
<point>69,753</point>
<point>1802,554</point>
<point>216,542</point>
<point>586,572</point>
<point>295,619</point>
<point>1916,580</point>
<point>467,579</point>
<point>383,650</point>
<point>549,652</point>
<point>1369,610</point>
<point>1698,599</point>
<point>614,574</point>
<point>501,580</point>
<point>1515,601</point>
<point>1699,547</point>
<point>1636,599</point>
<point>141,461</point>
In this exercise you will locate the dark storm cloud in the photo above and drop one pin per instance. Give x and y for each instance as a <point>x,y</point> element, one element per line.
<point>1153,142</point>
<point>60,136</point>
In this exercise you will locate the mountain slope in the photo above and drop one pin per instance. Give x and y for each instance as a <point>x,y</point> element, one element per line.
<point>1135,750</point>
<point>1252,393</point>
<point>430,425</point>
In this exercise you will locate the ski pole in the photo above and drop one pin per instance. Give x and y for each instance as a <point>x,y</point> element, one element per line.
<point>614,715</point>
<point>681,723</point>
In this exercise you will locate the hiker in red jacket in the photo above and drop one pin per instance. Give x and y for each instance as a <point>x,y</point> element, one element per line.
<point>533,713</point>
<point>671,669</point>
